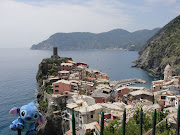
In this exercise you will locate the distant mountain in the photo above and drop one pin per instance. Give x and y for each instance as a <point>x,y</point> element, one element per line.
<point>162,49</point>
<point>117,38</point>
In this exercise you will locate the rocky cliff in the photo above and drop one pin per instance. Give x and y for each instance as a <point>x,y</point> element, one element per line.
<point>54,124</point>
<point>162,49</point>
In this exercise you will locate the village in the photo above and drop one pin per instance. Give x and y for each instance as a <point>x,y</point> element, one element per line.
<point>86,92</point>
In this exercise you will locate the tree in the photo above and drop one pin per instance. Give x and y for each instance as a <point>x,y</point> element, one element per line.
<point>132,126</point>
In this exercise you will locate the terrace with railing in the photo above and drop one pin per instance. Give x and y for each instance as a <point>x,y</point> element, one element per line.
<point>152,131</point>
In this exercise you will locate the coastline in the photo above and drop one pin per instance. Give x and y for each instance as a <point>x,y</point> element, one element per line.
<point>48,111</point>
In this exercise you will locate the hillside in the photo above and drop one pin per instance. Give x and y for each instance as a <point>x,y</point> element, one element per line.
<point>162,49</point>
<point>84,40</point>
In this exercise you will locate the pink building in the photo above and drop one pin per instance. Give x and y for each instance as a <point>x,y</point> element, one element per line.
<point>64,74</point>
<point>121,91</point>
<point>66,66</point>
<point>61,87</point>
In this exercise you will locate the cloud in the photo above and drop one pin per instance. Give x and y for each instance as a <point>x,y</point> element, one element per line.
<point>164,2</point>
<point>26,23</point>
<point>176,10</point>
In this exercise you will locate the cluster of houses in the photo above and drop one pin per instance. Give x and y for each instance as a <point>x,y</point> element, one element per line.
<point>87,92</point>
<point>78,77</point>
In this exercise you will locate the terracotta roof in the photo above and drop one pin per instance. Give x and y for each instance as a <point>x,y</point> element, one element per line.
<point>90,78</point>
<point>98,127</point>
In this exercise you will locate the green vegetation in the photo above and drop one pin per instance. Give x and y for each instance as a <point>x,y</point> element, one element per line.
<point>89,132</point>
<point>66,59</point>
<point>118,38</point>
<point>132,125</point>
<point>53,71</point>
<point>163,49</point>
<point>44,105</point>
<point>48,89</point>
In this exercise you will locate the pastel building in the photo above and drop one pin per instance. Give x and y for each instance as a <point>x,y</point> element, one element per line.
<point>61,86</point>
<point>157,85</point>
<point>87,115</point>
<point>82,64</point>
<point>101,97</point>
<point>74,63</point>
<point>66,66</point>
<point>177,100</point>
<point>86,111</point>
<point>125,90</point>
<point>87,87</point>
<point>121,91</point>
<point>138,95</point>
<point>102,76</point>
<point>167,73</point>
<point>63,74</point>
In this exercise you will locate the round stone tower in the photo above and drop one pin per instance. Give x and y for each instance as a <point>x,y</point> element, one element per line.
<point>55,51</point>
<point>167,72</point>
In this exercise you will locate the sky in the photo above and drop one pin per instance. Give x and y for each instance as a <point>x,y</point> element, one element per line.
<point>27,22</point>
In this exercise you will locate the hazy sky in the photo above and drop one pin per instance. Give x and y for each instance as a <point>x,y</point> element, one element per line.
<point>27,22</point>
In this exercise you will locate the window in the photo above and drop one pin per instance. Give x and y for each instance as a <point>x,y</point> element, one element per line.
<point>56,86</point>
<point>119,91</point>
<point>103,100</point>
<point>92,116</point>
<point>63,100</point>
<point>56,90</point>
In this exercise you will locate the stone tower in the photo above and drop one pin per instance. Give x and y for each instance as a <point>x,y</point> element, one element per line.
<point>55,51</point>
<point>167,72</point>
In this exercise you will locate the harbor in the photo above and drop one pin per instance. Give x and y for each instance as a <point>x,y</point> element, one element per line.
<point>126,82</point>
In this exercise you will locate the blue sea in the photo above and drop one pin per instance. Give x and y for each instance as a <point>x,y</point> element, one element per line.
<point>19,67</point>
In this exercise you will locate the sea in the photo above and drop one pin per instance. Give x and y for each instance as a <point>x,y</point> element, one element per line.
<point>18,68</point>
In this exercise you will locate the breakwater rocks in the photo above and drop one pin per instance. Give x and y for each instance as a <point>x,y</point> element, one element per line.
<point>119,83</point>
